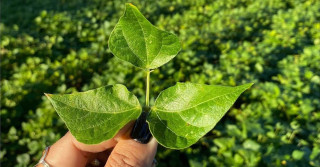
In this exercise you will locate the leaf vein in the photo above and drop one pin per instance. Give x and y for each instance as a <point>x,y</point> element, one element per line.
<point>144,37</point>
<point>130,47</point>
<point>200,103</point>
<point>167,126</point>
<point>94,111</point>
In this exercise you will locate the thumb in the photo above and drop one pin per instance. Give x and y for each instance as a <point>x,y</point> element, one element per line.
<point>131,153</point>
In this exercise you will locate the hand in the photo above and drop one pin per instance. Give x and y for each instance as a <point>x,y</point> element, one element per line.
<point>118,151</point>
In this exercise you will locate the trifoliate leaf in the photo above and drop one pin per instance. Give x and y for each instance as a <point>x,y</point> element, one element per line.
<point>96,115</point>
<point>182,114</point>
<point>136,40</point>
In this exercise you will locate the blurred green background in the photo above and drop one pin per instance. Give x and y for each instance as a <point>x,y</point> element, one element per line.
<point>60,46</point>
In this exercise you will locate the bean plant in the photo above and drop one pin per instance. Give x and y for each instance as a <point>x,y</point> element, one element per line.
<point>181,114</point>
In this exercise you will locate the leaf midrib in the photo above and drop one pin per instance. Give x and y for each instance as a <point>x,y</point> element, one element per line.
<point>94,111</point>
<point>155,108</point>
<point>144,37</point>
<point>131,48</point>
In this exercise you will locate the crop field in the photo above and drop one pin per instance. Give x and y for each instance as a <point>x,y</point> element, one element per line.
<point>61,46</point>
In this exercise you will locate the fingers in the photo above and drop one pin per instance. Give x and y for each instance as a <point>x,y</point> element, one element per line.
<point>63,153</point>
<point>69,152</point>
<point>131,153</point>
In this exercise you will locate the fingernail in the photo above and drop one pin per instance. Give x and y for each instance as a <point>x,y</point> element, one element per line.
<point>140,131</point>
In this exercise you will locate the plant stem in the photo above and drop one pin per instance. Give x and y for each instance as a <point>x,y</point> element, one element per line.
<point>140,131</point>
<point>147,88</point>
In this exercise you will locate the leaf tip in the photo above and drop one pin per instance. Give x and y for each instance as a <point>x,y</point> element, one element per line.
<point>48,95</point>
<point>250,84</point>
<point>130,4</point>
<point>247,85</point>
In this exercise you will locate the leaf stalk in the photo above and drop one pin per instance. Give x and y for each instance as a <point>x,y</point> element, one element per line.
<point>148,88</point>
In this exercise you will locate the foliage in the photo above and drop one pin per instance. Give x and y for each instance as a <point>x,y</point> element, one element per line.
<point>61,46</point>
<point>136,40</point>
<point>97,115</point>
<point>183,113</point>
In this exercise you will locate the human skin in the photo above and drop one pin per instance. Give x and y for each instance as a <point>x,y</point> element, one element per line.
<point>118,151</point>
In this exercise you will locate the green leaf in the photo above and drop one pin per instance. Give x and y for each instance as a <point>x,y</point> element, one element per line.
<point>136,40</point>
<point>96,115</point>
<point>185,112</point>
<point>297,154</point>
<point>251,145</point>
